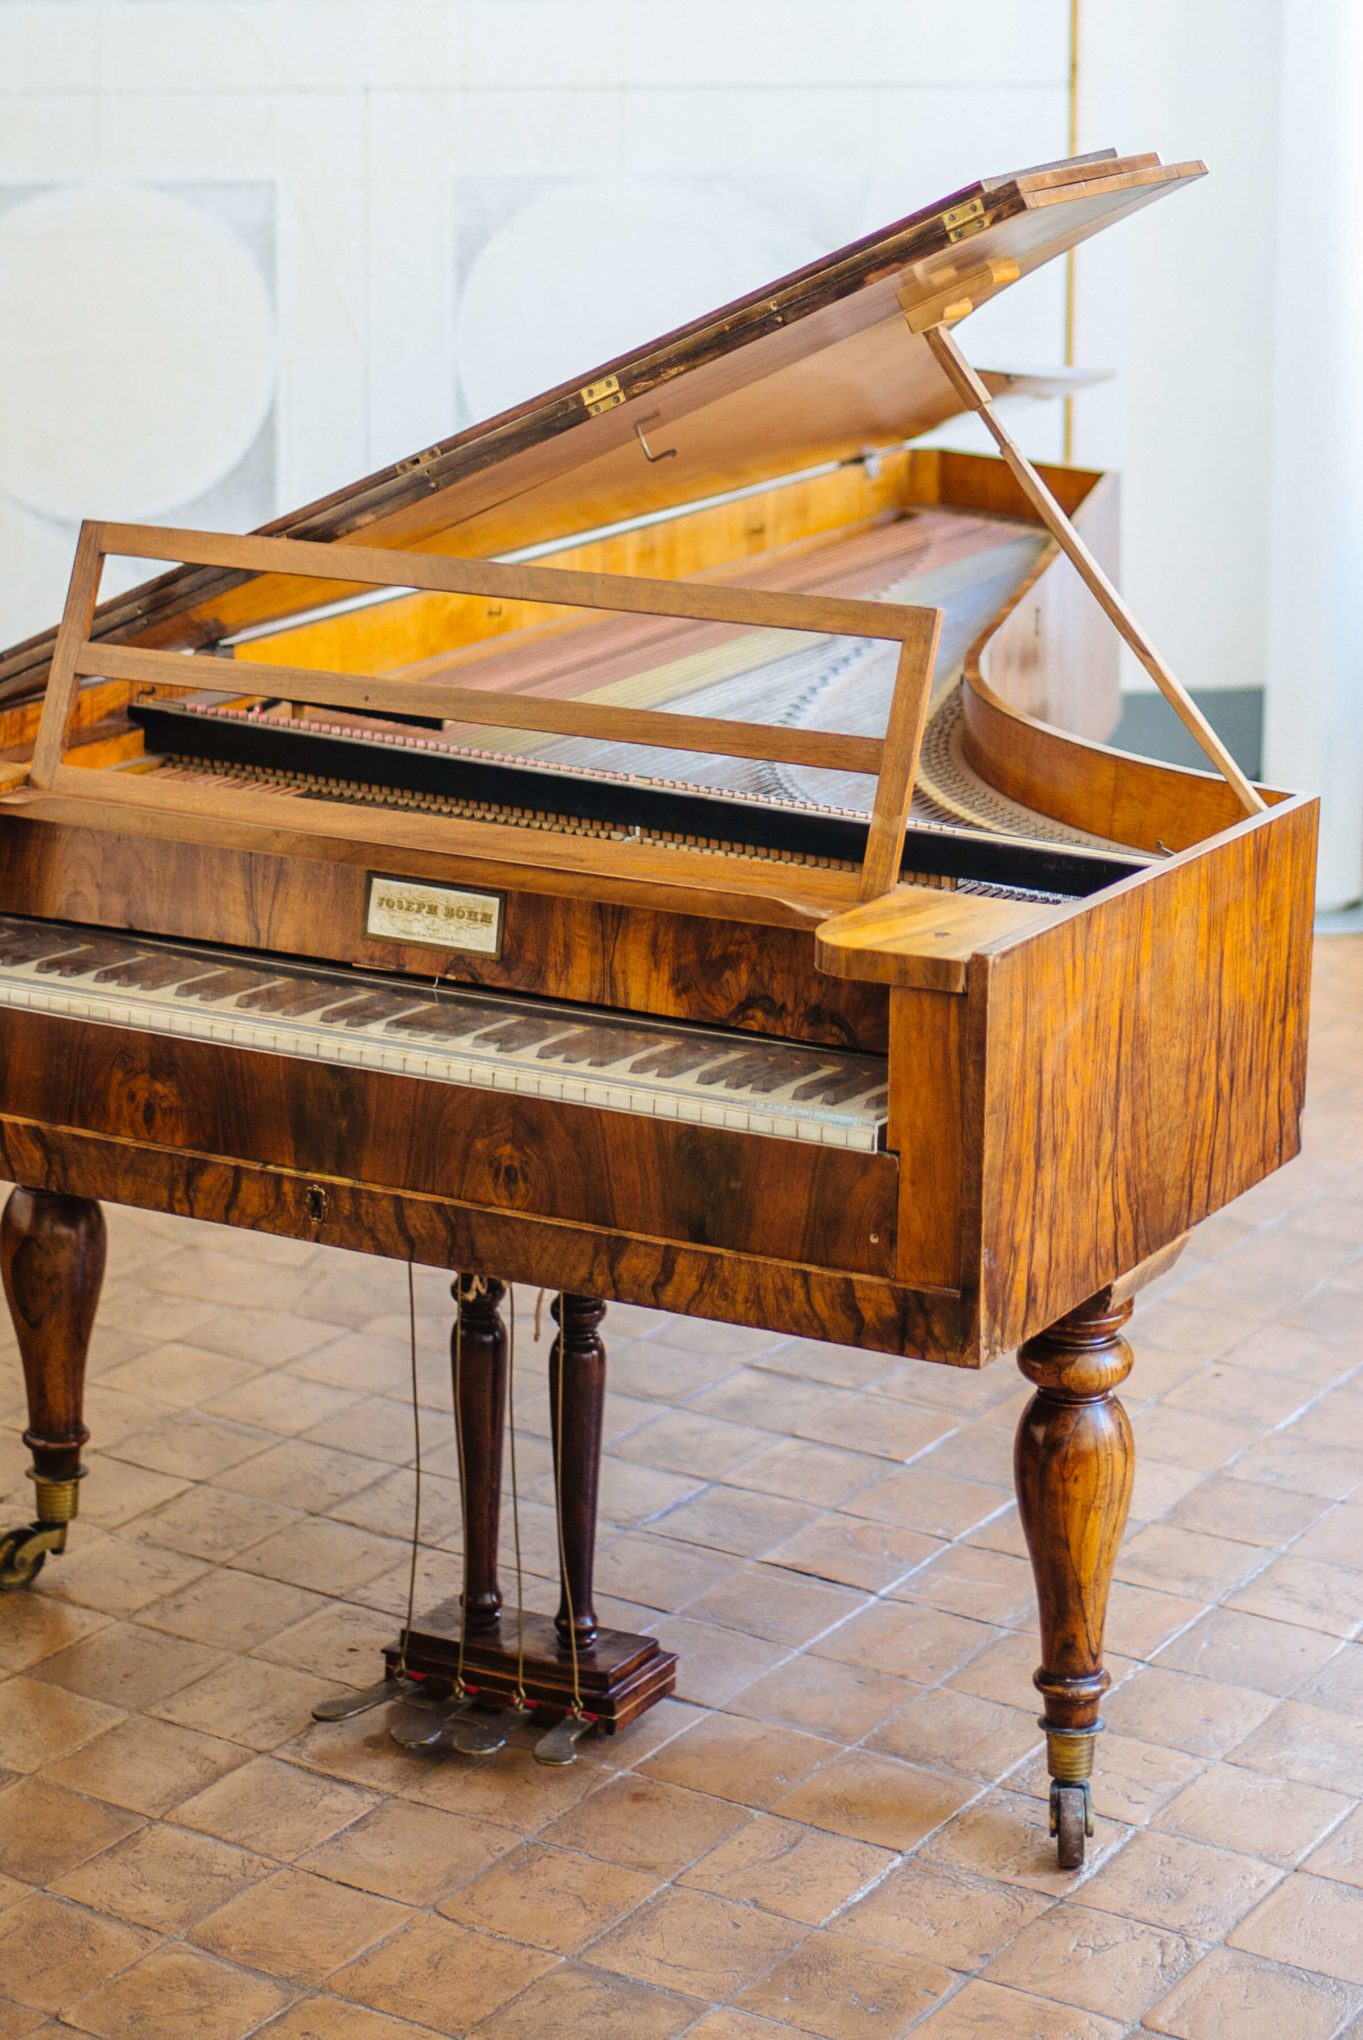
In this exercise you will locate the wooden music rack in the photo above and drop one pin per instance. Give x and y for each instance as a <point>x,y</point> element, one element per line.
<point>892,759</point>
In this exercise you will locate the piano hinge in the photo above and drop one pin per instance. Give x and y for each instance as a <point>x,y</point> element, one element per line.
<point>418,460</point>
<point>965,219</point>
<point>603,395</point>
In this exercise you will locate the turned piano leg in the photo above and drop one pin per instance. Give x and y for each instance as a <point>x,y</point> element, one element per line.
<point>577,1397</point>
<point>52,1258</point>
<point>1073,1465</point>
<point>478,1355</point>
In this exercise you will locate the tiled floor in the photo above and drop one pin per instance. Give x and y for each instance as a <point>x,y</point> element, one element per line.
<point>839,1830</point>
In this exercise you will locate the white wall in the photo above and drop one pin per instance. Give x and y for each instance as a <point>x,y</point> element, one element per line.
<point>1314,722</point>
<point>251,249</point>
<point>1180,300</point>
<point>443,205</point>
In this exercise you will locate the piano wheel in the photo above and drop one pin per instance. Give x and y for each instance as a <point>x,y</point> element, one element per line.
<point>1071,1823</point>
<point>23,1551</point>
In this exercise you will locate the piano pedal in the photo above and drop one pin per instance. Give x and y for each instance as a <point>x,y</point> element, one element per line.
<point>559,1744</point>
<point>499,1725</point>
<point>471,1735</point>
<point>346,1705</point>
<point>423,1722</point>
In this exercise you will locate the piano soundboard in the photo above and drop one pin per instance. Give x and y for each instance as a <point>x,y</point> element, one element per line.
<point>491,1041</point>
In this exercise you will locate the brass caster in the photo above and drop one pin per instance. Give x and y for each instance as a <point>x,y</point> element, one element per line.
<point>23,1551</point>
<point>1071,1822</point>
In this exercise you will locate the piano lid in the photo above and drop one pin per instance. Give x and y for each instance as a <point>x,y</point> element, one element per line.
<point>814,367</point>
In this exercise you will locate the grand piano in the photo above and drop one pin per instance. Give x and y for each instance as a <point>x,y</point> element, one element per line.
<point>660,845</point>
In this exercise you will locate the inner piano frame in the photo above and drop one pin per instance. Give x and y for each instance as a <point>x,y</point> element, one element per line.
<point>892,759</point>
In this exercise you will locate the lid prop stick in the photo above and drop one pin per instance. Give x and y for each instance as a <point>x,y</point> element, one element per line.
<point>973,393</point>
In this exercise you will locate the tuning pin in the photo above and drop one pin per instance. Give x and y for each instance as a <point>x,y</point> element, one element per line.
<point>559,1746</point>
<point>344,1705</point>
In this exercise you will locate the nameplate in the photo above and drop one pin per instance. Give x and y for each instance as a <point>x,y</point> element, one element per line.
<point>440,916</point>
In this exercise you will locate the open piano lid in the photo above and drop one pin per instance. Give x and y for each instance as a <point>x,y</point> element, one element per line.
<point>813,368</point>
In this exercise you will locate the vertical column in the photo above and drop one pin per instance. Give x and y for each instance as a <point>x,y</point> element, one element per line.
<point>478,1356</point>
<point>577,1394</point>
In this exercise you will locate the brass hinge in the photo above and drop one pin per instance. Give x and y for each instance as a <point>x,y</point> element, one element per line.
<point>418,460</point>
<point>964,219</point>
<point>603,395</point>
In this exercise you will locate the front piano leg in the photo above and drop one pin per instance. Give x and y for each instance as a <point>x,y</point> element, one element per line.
<point>1073,1464</point>
<point>52,1258</point>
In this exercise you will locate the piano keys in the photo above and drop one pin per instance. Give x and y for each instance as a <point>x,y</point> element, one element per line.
<point>833,1097</point>
<point>700,883</point>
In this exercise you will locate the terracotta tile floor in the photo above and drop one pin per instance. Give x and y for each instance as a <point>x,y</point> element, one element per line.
<point>838,1829</point>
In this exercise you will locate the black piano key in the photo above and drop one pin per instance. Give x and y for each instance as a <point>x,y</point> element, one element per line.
<point>524,1030</point>
<point>679,1059</point>
<point>444,1020</point>
<point>219,985</point>
<point>91,956</point>
<point>778,1078</point>
<point>150,973</point>
<point>367,1007</point>
<point>834,1087</point>
<point>599,1047</point>
<point>759,1070</point>
<point>26,945</point>
<point>355,1009</point>
<point>289,998</point>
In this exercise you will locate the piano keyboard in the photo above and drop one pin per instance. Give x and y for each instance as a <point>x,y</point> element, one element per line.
<point>487,1040</point>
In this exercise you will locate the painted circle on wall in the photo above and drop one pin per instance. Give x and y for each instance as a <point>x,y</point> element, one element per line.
<point>136,352</point>
<point>591,269</point>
